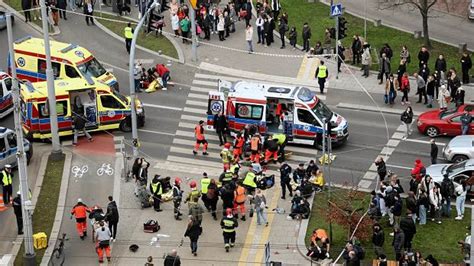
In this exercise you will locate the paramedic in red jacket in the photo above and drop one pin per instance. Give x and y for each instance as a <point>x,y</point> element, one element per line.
<point>200,139</point>
<point>164,73</point>
<point>80,211</point>
<point>419,170</point>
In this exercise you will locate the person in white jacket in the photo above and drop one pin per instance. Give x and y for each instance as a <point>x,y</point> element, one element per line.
<point>460,192</point>
<point>221,27</point>
<point>260,31</point>
<point>175,24</point>
<point>248,37</point>
<point>436,201</point>
<point>444,98</point>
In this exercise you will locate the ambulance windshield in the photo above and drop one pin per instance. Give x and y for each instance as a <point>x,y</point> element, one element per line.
<point>322,111</point>
<point>92,68</point>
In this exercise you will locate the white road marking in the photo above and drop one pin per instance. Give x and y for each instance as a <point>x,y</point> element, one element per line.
<point>205,83</point>
<point>162,106</point>
<point>186,125</point>
<point>201,89</point>
<point>196,103</point>
<point>194,110</point>
<point>198,96</point>
<point>425,142</point>
<point>399,166</point>
<point>393,143</point>
<point>193,118</point>
<point>387,150</point>
<point>370,175</point>
<point>398,135</point>
<point>156,132</point>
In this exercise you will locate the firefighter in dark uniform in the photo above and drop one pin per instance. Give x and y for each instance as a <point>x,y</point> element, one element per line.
<point>18,213</point>
<point>228,225</point>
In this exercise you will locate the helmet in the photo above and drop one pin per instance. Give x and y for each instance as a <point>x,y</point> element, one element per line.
<point>192,184</point>
<point>79,200</point>
<point>177,180</point>
<point>227,145</point>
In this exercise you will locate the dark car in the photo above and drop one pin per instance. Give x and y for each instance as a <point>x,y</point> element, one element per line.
<point>3,19</point>
<point>435,123</point>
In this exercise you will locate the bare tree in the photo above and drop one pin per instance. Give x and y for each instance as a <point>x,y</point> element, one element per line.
<point>423,6</point>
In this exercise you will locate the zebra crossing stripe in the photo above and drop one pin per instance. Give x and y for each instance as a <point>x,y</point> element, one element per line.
<point>194,110</point>
<point>201,89</point>
<point>193,118</point>
<point>196,103</point>
<point>205,83</point>
<point>198,96</point>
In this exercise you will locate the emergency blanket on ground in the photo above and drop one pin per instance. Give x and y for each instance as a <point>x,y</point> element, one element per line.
<point>154,85</point>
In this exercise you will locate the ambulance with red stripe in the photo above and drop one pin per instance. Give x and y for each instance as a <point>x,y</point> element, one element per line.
<point>295,111</point>
<point>102,107</point>
<point>68,61</point>
<point>6,98</point>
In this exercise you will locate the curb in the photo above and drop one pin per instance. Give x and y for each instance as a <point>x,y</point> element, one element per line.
<point>36,191</point>
<point>59,209</point>
<point>386,110</point>
<point>181,58</point>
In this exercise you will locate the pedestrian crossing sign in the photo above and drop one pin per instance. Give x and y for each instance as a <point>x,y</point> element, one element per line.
<point>336,10</point>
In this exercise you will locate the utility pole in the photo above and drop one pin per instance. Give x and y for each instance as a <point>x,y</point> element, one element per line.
<point>471,258</point>
<point>365,20</point>
<point>336,50</point>
<point>192,13</point>
<point>29,258</point>
<point>329,143</point>
<point>131,66</point>
<point>56,153</point>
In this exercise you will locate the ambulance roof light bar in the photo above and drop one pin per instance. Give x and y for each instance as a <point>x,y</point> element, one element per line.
<point>23,39</point>
<point>68,48</point>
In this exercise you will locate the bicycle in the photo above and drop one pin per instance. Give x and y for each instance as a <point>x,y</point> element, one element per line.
<point>58,257</point>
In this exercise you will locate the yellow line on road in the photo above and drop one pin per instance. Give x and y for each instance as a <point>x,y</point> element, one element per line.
<point>248,241</point>
<point>267,230</point>
<point>302,69</point>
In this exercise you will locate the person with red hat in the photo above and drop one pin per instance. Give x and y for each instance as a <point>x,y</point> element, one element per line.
<point>194,193</point>
<point>228,225</point>
<point>419,171</point>
<point>200,139</point>
<point>177,198</point>
<point>226,156</point>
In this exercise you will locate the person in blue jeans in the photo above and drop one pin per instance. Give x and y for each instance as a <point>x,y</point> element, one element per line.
<point>460,192</point>
<point>260,206</point>
<point>466,119</point>
<point>423,203</point>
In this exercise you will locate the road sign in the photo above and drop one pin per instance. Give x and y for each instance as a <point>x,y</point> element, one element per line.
<point>336,10</point>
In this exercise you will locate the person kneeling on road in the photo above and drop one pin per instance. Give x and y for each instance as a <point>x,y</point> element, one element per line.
<point>164,73</point>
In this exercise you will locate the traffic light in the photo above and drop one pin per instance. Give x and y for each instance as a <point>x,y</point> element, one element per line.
<point>342,28</point>
<point>332,33</point>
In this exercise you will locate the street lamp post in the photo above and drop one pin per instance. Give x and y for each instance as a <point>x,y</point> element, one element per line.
<point>131,65</point>
<point>56,152</point>
<point>192,13</point>
<point>29,258</point>
<point>365,20</point>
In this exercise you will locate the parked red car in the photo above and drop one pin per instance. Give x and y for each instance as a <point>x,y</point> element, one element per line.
<point>435,123</point>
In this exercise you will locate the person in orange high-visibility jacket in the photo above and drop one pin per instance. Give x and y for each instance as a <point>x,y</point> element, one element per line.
<point>80,211</point>
<point>255,143</point>
<point>238,147</point>
<point>239,201</point>
<point>200,139</point>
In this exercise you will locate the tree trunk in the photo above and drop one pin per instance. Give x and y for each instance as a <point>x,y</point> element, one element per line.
<point>426,34</point>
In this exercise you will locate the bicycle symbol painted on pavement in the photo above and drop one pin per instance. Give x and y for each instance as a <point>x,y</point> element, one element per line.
<point>79,171</point>
<point>105,169</point>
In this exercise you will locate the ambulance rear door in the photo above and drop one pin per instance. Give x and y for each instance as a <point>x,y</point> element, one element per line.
<point>305,126</point>
<point>215,105</point>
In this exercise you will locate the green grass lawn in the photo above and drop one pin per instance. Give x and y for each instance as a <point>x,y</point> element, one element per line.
<point>150,41</point>
<point>45,210</point>
<point>439,240</point>
<point>317,15</point>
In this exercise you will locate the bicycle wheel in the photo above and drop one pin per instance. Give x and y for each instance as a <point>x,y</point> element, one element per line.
<point>57,257</point>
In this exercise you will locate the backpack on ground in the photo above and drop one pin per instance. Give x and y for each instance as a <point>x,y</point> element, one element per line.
<point>151,226</point>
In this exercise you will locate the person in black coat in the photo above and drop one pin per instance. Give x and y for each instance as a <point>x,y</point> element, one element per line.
<point>440,65</point>
<point>26,6</point>
<point>306,34</point>
<point>434,152</point>
<point>285,172</point>
<point>378,239</point>
<point>18,213</point>
<point>466,65</point>
<point>172,259</point>
<point>356,50</point>
<point>409,229</point>
<point>62,5</point>
<point>206,26</point>
<point>193,231</point>
<point>112,217</point>
<point>453,82</point>
<point>423,56</point>
<point>221,127</point>
<point>398,242</point>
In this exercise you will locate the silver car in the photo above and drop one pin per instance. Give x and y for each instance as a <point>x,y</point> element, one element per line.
<point>471,10</point>
<point>459,149</point>
<point>8,148</point>
<point>3,19</point>
<point>456,171</point>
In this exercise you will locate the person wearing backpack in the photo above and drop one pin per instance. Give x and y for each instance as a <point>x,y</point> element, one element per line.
<point>212,197</point>
<point>447,191</point>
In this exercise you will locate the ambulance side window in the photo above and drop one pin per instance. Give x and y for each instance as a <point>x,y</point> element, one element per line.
<point>71,72</point>
<point>249,111</point>
<point>8,84</point>
<point>11,138</point>
<point>307,117</point>
<point>109,101</point>
<point>3,147</point>
<point>61,109</point>
<point>42,67</point>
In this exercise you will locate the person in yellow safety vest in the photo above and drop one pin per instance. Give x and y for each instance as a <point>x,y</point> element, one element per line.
<point>250,181</point>
<point>282,140</point>
<point>205,181</point>
<point>128,34</point>
<point>7,184</point>
<point>234,169</point>
<point>226,156</point>
<point>226,177</point>
<point>255,147</point>
<point>321,74</point>
<point>239,201</point>
<point>194,193</point>
<point>156,190</point>
<point>228,225</point>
